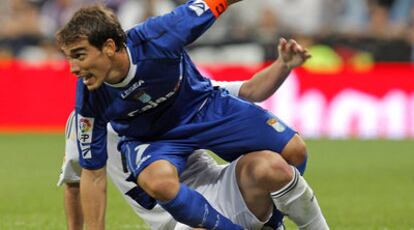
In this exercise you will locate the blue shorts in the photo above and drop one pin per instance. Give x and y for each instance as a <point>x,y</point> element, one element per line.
<point>226,125</point>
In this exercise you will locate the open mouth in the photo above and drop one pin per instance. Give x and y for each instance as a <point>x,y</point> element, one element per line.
<point>87,78</point>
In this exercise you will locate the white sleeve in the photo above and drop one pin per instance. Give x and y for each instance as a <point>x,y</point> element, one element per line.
<point>232,86</point>
<point>71,170</point>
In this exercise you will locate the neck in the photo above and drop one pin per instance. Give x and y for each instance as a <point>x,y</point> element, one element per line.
<point>121,65</point>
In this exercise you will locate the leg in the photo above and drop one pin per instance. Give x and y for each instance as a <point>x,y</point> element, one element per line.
<point>243,128</point>
<point>160,180</point>
<point>298,201</point>
<point>295,154</point>
<point>265,172</point>
<point>219,185</point>
<point>258,174</point>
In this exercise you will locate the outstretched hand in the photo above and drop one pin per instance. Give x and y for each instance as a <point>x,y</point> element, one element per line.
<point>291,53</point>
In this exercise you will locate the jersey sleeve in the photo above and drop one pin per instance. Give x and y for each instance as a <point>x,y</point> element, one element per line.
<point>232,86</point>
<point>91,133</point>
<point>91,139</point>
<point>186,23</point>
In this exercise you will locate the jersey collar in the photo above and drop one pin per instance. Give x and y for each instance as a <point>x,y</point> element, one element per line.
<point>131,73</point>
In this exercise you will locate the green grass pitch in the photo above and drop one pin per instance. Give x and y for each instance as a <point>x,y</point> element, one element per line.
<point>360,185</point>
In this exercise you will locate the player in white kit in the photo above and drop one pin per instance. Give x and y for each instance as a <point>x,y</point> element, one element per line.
<point>217,183</point>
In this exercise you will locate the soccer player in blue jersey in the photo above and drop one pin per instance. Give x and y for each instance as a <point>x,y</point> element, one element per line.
<point>201,173</point>
<point>146,86</point>
<point>217,183</point>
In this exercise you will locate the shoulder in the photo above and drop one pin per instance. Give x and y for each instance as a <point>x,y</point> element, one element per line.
<point>90,102</point>
<point>150,48</point>
<point>148,30</point>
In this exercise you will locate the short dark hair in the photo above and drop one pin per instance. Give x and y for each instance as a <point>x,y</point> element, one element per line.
<point>97,23</point>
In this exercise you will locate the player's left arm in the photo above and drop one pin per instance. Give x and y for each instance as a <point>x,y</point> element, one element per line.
<point>265,83</point>
<point>175,30</point>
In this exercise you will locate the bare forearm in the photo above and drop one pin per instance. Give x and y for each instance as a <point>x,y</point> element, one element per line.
<point>265,83</point>
<point>73,209</point>
<point>93,198</point>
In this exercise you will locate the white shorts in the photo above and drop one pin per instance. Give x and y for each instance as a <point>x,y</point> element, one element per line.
<point>217,183</point>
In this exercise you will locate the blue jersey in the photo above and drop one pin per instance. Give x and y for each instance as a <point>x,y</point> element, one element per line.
<point>162,90</point>
<point>164,108</point>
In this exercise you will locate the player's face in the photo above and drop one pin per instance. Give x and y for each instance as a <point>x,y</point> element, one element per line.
<point>87,62</point>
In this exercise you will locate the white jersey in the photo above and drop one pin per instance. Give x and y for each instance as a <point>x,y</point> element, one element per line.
<point>217,183</point>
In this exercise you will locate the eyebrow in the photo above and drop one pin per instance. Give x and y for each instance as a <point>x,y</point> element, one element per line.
<point>77,50</point>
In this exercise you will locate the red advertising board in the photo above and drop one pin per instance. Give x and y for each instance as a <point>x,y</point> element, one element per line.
<point>375,102</point>
<point>35,97</point>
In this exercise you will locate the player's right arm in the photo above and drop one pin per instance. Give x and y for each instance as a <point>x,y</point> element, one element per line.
<point>91,136</point>
<point>265,82</point>
<point>93,197</point>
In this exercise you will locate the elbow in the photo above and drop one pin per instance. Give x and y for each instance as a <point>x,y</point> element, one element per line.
<point>248,92</point>
<point>256,91</point>
<point>257,98</point>
<point>254,97</point>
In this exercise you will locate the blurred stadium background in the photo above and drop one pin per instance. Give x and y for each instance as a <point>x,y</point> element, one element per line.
<point>353,101</point>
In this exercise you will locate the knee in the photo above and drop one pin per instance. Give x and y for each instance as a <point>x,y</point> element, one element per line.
<point>269,169</point>
<point>161,184</point>
<point>295,152</point>
<point>162,189</point>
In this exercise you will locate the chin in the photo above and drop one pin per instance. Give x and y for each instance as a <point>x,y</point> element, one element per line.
<point>92,87</point>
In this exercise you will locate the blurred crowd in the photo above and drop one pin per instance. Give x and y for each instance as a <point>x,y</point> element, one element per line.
<point>382,30</point>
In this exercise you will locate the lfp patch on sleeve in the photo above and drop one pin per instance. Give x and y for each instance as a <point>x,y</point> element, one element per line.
<point>85,127</point>
<point>277,125</point>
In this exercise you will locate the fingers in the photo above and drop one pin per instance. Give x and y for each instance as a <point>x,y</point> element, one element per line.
<point>294,46</point>
<point>290,46</point>
<point>282,41</point>
<point>306,55</point>
<point>282,45</point>
<point>292,53</point>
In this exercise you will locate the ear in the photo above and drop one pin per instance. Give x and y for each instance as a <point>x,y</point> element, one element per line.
<point>109,47</point>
